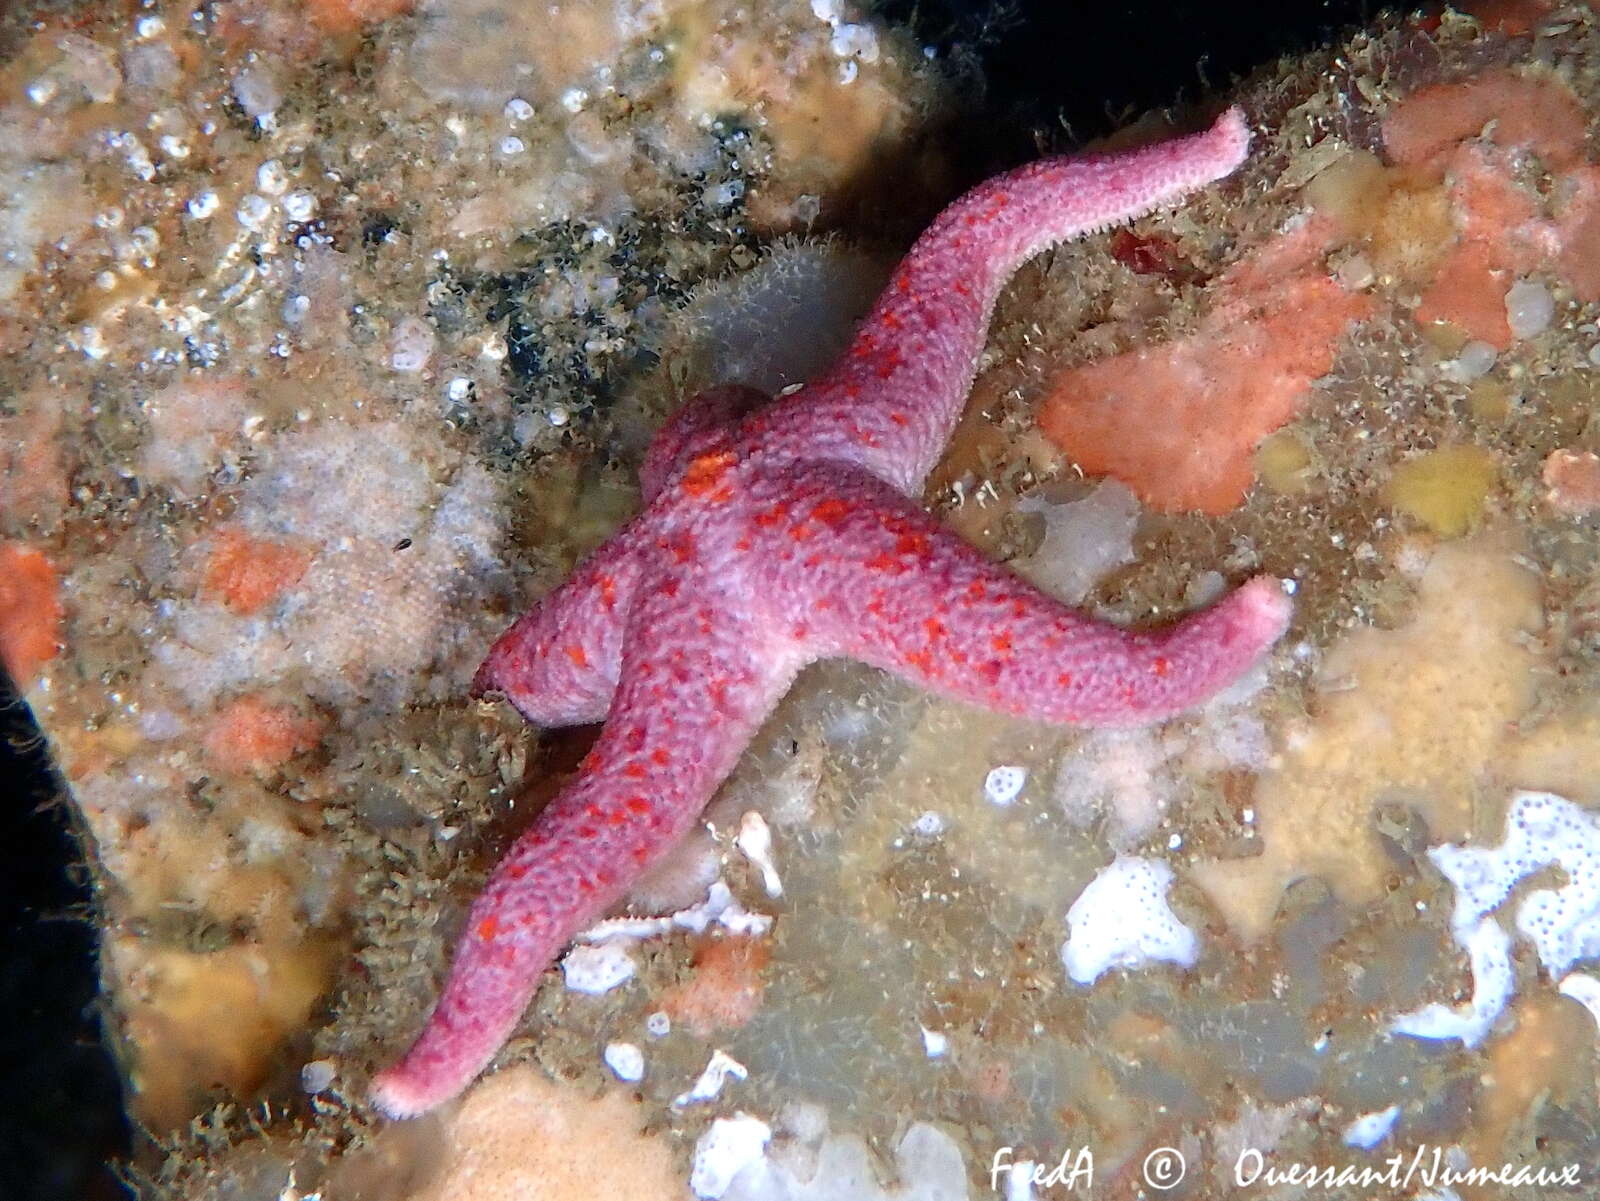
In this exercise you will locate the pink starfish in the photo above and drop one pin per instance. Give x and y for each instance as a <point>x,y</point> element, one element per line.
<point>777,533</point>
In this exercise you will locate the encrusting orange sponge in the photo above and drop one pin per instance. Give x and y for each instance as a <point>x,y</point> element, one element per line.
<point>30,611</point>
<point>1178,423</point>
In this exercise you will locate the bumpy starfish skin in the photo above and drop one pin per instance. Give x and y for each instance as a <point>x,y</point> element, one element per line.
<point>777,533</point>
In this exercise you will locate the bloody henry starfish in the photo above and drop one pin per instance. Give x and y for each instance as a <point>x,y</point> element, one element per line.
<point>775,533</point>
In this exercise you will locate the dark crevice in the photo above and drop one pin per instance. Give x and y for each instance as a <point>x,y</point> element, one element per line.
<point>61,1119</point>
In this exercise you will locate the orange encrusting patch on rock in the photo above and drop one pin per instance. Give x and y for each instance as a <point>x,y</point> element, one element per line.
<point>30,611</point>
<point>1572,482</point>
<point>1536,111</point>
<point>1501,235</point>
<point>350,16</point>
<point>246,574</point>
<point>1502,229</point>
<point>1511,17</point>
<point>1178,423</point>
<point>1470,293</point>
<point>252,734</point>
<point>726,988</point>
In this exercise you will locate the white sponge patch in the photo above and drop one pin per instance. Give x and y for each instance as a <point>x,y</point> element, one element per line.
<point>1563,924</point>
<point>1122,920</point>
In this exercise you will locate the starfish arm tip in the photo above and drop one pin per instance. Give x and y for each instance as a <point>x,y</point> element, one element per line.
<point>1232,127</point>
<point>396,1094</point>
<point>1264,608</point>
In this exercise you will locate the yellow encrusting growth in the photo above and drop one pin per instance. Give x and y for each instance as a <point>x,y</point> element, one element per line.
<point>1285,464</point>
<point>1444,489</point>
<point>1418,714</point>
<point>220,1018</point>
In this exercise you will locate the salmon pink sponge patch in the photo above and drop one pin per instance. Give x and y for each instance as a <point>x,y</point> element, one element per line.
<point>1179,423</point>
<point>778,532</point>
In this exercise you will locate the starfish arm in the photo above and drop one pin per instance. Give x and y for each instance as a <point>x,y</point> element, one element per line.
<point>689,430</point>
<point>696,682</point>
<point>558,663</point>
<point>892,400</point>
<point>878,579</point>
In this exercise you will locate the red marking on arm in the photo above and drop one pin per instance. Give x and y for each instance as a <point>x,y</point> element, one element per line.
<point>705,476</point>
<point>487,928</point>
<point>831,511</point>
<point>577,655</point>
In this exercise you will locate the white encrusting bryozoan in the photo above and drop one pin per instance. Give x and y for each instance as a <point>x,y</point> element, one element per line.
<point>1122,920</point>
<point>1563,924</point>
